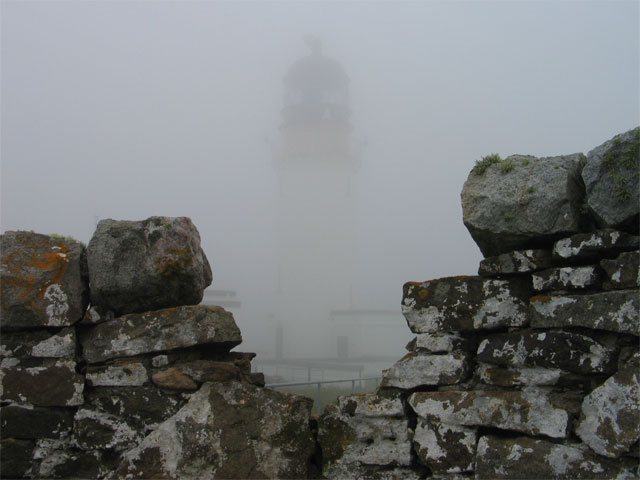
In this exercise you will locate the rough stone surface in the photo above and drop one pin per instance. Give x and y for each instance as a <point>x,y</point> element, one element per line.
<point>43,281</point>
<point>27,421</point>
<point>53,385</point>
<point>445,448</point>
<point>530,206</point>
<point>159,331</point>
<point>363,430</point>
<point>61,459</point>
<point>585,247</point>
<point>623,272</point>
<point>568,351</point>
<point>528,411</point>
<point>98,430</point>
<point>455,304</point>
<point>135,266</point>
<point>142,408</point>
<point>16,457</point>
<point>611,181</point>
<point>227,430</point>
<point>516,262</point>
<point>417,369</point>
<point>189,375</point>
<point>528,458</point>
<point>439,343</point>
<point>615,311</point>
<point>122,374</point>
<point>174,379</point>
<point>30,344</point>
<point>518,377</point>
<point>610,421</point>
<point>567,278</point>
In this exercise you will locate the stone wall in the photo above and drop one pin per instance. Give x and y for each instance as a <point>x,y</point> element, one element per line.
<point>531,368</point>
<point>110,369</point>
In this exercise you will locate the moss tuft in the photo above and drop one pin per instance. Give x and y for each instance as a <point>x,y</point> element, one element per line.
<point>622,157</point>
<point>481,166</point>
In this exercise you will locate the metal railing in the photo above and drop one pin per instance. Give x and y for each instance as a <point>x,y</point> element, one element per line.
<point>319,383</point>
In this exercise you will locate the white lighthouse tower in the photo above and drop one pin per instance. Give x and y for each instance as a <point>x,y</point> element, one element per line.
<point>315,169</point>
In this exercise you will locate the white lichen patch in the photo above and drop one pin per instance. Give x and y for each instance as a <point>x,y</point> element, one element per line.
<point>122,436</point>
<point>57,346</point>
<point>500,309</point>
<point>57,306</point>
<point>564,249</point>
<point>562,458</point>
<point>548,306</point>
<point>128,374</point>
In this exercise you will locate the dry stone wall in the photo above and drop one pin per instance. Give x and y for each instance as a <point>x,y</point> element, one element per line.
<point>110,370</point>
<point>531,369</point>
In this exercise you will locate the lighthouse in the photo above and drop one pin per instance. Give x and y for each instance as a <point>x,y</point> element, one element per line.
<point>316,170</point>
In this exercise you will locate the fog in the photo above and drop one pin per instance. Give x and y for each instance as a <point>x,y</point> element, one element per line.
<point>130,109</point>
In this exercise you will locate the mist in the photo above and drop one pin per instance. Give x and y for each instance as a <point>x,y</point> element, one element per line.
<point>130,109</point>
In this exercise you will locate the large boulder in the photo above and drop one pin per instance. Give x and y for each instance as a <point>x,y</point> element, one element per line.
<point>523,202</point>
<point>159,331</point>
<point>135,266</point>
<point>43,279</point>
<point>228,430</point>
<point>611,181</point>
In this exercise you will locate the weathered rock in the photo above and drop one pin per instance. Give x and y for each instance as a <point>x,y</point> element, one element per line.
<point>623,272</point>
<point>159,331</point>
<point>615,311</point>
<point>53,385</point>
<point>418,369</point>
<point>567,278</point>
<point>528,411</point>
<point>98,430</point>
<point>568,351</point>
<point>188,375</point>
<point>121,374</point>
<point>16,457</point>
<point>38,344</point>
<point>142,408</point>
<point>456,304</point>
<point>516,262</point>
<point>518,377</point>
<point>228,430</point>
<point>363,430</point>
<point>43,281</point>
<point>439,343</point>
<point>357,471</point>
<point>585,247</point>
<point>174,379</point>
<point>60,459</point>
<point>610,421</point>
<point>445,448</point>
<point>135,266</point>
<point>522,457</point>
<point>95,315</point>
<point>523,202</point>
<point>26,421</point>
<point>611,181</point>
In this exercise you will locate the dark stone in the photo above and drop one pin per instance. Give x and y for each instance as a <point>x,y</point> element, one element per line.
<point>35,422</point>
<point>43,281</point>
<point>136,266</point>
<point>16,457</point>
<point>228,430</point>
<point>464,303</point>
<point>567,278</point>
<point>445,448</point>
<point>95,430</point>
<point>160,331</point>
<point>623,272</point>
<point>567,351</point>
<point>53,385</point>
<point>517,262</point>
<point>417,369</point>
<point>585,247</point>
<point>522,457</point>
<point>39,344</point>
<point>615,311</point>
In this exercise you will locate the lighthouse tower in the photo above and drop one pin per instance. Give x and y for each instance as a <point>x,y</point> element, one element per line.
<point>315,169</point>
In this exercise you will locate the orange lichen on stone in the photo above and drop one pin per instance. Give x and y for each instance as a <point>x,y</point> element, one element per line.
<point>424,293</point>
<point>540,298</point>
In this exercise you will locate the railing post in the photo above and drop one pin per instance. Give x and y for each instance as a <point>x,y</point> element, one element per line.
<point>318,399</point>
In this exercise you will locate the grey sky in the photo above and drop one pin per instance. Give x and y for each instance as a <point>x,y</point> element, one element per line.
<point>130,109</point>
